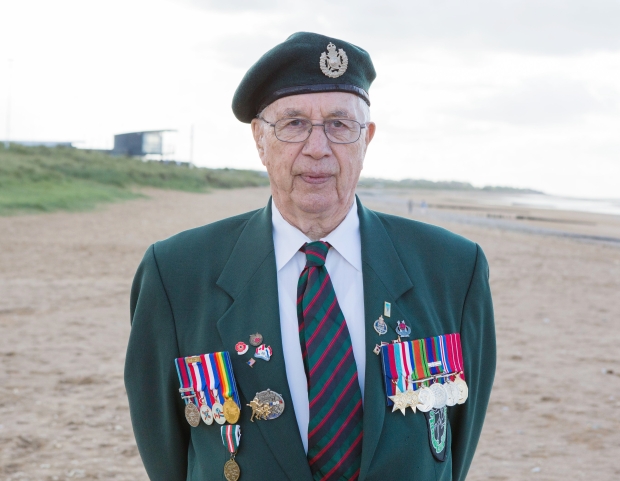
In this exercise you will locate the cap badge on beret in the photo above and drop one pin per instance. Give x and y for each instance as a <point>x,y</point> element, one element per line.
<point>332,63</point>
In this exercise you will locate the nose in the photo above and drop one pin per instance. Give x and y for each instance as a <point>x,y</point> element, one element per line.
<point>317,146</point>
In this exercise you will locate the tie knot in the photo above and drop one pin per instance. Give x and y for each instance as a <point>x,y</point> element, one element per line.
<point>316,253</point>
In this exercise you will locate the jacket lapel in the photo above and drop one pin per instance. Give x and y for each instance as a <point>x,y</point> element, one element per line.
<point>385,279</point>
<point>250,278</point>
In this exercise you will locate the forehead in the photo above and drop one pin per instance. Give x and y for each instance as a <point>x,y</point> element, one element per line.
<point>315,105</point>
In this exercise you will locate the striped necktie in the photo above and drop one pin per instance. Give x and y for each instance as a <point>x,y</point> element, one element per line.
<point>335,425</point>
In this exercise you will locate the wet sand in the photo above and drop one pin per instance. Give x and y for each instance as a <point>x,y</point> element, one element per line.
<point>64,323</point>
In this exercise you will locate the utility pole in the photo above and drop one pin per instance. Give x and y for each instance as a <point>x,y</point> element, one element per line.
<point>191,144</point>
<point>7,140</point>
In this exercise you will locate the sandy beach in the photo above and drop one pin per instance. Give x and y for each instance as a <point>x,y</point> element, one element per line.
<point>64,324</point>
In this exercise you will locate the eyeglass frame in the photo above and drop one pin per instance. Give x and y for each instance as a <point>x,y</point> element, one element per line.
<point>362,127</point>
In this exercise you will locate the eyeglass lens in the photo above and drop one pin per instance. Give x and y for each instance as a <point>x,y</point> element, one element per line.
<point>298,130</point>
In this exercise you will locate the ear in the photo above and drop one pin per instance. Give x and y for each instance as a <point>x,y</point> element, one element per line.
<point>370,131</point>
<point>259,138</point>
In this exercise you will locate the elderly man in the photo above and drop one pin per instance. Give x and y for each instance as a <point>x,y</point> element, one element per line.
<point>329,291</point>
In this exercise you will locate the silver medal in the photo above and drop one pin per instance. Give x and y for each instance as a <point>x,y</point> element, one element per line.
<point>463,389</point>
<point>452,392</point>
<point>440,395</point>
<point>426,399</point>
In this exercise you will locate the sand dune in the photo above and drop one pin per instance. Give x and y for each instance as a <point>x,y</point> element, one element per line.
<point>64,295</point>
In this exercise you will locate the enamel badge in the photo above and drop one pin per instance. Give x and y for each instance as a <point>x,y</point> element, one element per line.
<point>333,63</point>
<point>380,326</point>
<point>402,329</point>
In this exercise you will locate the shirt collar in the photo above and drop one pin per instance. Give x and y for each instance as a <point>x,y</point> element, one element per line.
<point>345,238</point>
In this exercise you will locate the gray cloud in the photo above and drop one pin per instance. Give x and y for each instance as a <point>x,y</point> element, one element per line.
<point>534,26</point>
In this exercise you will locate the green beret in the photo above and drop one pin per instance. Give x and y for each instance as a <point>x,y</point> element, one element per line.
<point>304,63</point>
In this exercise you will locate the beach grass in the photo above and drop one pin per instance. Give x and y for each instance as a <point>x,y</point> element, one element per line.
<point>41,179</point>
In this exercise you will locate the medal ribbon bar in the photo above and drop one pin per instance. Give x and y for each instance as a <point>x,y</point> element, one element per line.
<point>185,380</point>
<point>412,364</point>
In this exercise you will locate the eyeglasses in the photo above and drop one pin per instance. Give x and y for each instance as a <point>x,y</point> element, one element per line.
<point>338,131</point>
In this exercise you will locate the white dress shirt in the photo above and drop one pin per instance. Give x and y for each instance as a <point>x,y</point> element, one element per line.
<point>344,264</point>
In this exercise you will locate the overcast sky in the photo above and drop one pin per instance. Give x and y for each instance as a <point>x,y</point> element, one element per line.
<point>523,93</point>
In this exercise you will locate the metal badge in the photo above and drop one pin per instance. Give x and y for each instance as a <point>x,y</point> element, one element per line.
<point>426,399</point>
<point>241,348</point>
<point>231,411</point>
<point>387,309</point>
<point>206,414</point>
<point>218,413</point>
<point>380,326</point>
<point>251,362</point>
<point>256,339</point>
<point>231,470</point>
<point>333,63</point>
<point>192,414</point>
<point>440,395</point>
<point>266,405</point>
<point>400,400</point>
<point>402,329</point>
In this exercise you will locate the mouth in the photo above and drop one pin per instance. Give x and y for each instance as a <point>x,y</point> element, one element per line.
<point>315,178</point>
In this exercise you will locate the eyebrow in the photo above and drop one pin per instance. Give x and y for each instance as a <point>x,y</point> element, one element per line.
<point>335,114</point>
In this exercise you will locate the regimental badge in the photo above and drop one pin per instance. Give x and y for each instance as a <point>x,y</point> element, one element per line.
<point>402,329</point>
<point>380,326</point>
<point>437,429</point>
<point>266,405</point>
<point>333,63</point>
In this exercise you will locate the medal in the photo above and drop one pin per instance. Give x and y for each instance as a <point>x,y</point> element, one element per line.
<point>206,414</point>
<point>380,326</point>
<point>256,339</point>
<point>402,329</point>
<point>231,411</point>
<point>412,399</point>
<point>241,348</point>
<point>192,414</point>
<point>452,392</point>
<point>231,437</point>
<point>218,413</point>
<point>400,400</point>
<point>426,399</point>
<point>462,387</point>
<point>266,405</point>
<point>440,395</point>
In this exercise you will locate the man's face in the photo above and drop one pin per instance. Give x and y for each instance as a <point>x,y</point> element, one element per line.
<point>315,177</point>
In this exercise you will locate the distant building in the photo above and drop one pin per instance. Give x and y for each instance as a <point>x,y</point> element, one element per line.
<point>150,145</point>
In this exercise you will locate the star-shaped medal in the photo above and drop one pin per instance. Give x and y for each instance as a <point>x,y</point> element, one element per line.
<point>412,399</point>
<point>400,401</point>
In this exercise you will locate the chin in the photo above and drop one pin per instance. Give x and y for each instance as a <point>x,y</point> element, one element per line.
<point>316,203</point>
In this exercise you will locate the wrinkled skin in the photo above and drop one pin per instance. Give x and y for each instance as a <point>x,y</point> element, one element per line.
<point>313,182</point>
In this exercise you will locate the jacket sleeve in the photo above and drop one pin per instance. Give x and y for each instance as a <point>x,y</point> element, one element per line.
<point>156,408</point>
<point>479,356</point>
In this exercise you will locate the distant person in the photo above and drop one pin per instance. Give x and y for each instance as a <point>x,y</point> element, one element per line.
<point>410,206</point>
<point>327,311</point>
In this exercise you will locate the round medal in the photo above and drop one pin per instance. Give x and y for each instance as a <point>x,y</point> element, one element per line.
<point>256,339</point>
<point>218,413</point>
<point>380,326</point>
<point>440,395</point>
<point>231,411</point>
<point>206,414</point>
<point>426,399</point>
<point>192,414</point>
<point>273,400</point>
<point>231,470</point>
<point>452,392</point>
<point>463,389</point>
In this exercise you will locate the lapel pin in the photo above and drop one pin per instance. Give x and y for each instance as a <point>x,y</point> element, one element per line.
<point>241,348</point>
<point>256,339</point>
<point>263,352</point>
<point>387,309</point>
<point>266,405</point>
<point>380,326</point>
<point>251,362</point>
<point>402,329</point>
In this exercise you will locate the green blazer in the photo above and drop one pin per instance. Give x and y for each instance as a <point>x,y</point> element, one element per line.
<point>208,288</point>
